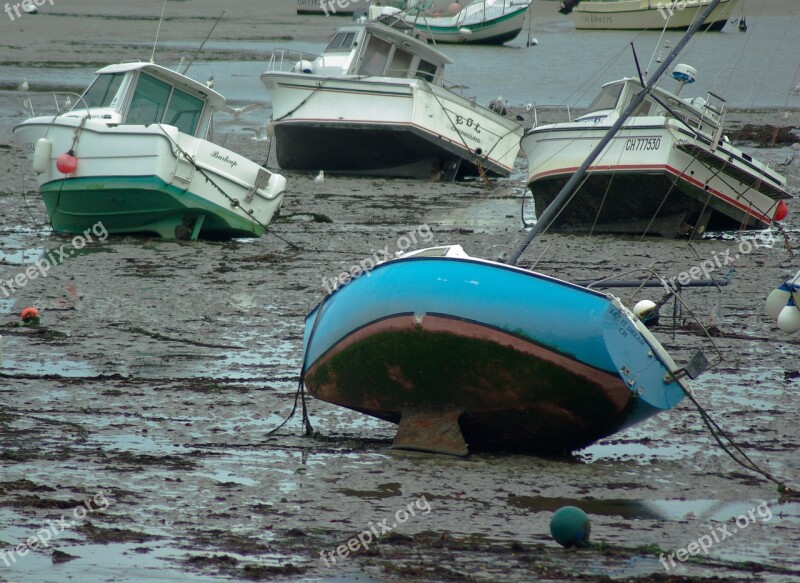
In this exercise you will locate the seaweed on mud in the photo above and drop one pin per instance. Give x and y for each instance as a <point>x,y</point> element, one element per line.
<point>134,461</point>
<point>100,535</point>
<point>23,485</point>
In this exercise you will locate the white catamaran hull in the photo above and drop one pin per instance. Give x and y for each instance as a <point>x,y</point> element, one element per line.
<point>648,14</point>
<point>386,127</point>
<point>148,179</point>
<point>653,178</point>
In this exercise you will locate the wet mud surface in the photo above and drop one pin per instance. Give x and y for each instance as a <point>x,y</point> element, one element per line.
<point>159,368</point>
<point>135,420</point>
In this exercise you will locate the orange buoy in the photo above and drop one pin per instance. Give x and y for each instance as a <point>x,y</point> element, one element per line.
<point>67,163</point>
<point>781,210</point>
<point>30,315</point>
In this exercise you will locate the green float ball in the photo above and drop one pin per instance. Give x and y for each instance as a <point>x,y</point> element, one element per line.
<point>570,526</point>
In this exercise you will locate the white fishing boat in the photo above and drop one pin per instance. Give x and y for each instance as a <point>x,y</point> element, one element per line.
<point>133,152</point>
<point>376,103</point>
<point>669,171</point>
<point>465,21</point>
<point>645,14</point>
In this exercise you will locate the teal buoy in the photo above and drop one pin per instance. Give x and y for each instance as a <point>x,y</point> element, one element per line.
<point>570,527</point>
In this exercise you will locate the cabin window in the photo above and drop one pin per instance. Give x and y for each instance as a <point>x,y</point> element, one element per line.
<point>184,111</point>
<point>375,56</point>
<point>426,71</point>
<point>149,101</point>
<point>644,108</point>
<point>607,99</point>
<point>401,64</point>
<point>342,42</point>
<point>103,91</point>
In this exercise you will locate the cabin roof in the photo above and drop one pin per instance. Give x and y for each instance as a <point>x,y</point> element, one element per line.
<point>175,78</point>
<point>398,37</point>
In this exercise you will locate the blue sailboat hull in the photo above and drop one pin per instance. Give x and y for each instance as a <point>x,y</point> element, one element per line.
<point>527,362</point>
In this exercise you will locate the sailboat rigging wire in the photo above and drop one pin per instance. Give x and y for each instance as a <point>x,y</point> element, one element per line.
<point>158,31</point>
<point>664,200</point>
<point>657,47</point>
<point>199,50</point>
<point>554,206</point>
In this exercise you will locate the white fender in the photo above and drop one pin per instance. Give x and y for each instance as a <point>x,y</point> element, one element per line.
<point>41,155</point>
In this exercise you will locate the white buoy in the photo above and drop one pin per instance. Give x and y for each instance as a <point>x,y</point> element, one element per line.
<point>777,300</point>
<point>789,318</point>
<point>41,155</point>
<point>643,307</point>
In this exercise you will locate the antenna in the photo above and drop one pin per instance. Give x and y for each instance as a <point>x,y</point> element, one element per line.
<point>203,43</point>
<point>160,20</point>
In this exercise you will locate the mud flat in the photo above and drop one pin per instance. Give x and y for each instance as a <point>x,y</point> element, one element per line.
<point>161,366</point>
<point>139,410</point>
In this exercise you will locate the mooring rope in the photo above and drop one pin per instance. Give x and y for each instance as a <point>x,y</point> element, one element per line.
<point>233,202</point>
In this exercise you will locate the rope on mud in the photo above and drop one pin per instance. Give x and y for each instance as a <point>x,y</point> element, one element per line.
<point>27,206</point>
<point>714,428</point>
<point>300,394</point>
<point>301,385</point>
<point>745,462</point>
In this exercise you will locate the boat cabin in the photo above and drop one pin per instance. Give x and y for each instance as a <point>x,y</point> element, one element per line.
<point>701,114</point>
<point>144,94</point>
<point>376,50</point>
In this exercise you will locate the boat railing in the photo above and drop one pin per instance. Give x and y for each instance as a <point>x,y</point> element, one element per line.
<point>286,60</point>
<point>453,86</point>
<point>49,102</point>
<point>546,113</point>
<point>702,116</point>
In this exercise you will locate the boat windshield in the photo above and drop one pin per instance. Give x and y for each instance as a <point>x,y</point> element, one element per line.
<point>155,101</point>
<point>607,99</point>
<point>103,91</point>
<point>342,42</point>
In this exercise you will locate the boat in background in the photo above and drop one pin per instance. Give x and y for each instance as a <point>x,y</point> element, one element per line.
<point>473,21</point>
<point>376,103</point>
<point>468,354</point>
<point>645,14</point>
<point>133,153</point>
<point>669,171</point>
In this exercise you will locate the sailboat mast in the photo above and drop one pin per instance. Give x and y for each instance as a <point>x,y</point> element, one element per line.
<point>576,178</point>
